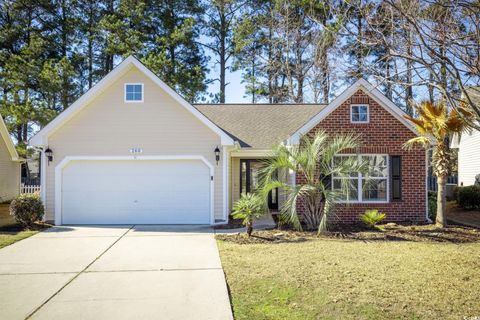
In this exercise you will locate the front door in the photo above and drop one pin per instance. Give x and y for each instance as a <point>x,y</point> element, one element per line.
<point>249,180</point>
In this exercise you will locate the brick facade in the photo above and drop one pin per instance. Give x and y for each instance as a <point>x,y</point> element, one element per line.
<point>384,134</point>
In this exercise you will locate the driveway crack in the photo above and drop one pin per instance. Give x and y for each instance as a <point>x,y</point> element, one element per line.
<point>78,274</point>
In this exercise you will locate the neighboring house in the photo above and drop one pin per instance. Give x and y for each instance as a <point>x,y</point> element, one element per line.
<point>132,151</point>
<point>469,158</point>
<point>469,149</point>
<point>31,170</point>
<point>10,165</point>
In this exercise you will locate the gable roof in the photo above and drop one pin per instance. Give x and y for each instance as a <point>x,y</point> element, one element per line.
<point>41,138</point>
<point>8,141</point>
<point>368,89</point>
<point>260,126</point>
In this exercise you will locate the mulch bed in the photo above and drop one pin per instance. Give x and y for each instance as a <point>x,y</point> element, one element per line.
<point>232,224</point>
<point>386,232</point>
<point>15,228</point>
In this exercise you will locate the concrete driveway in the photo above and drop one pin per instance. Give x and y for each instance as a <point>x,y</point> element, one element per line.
<point>118,272</point>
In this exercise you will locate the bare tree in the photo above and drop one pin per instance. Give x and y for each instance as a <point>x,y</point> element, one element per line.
<point>436,46</point>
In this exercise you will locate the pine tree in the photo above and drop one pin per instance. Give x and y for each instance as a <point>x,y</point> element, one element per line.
<point>123,28</point>
<point>220,19</point>
<point>90,14</point>
<point>60,31</point>
<point>22,50</point>
<point>173,51</point>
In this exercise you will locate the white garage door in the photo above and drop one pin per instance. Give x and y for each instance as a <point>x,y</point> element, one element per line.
<point>136,192</point>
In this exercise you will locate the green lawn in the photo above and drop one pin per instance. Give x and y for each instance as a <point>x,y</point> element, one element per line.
<point>7,238</point>
<point>9,231</point>
<point>341,279</point>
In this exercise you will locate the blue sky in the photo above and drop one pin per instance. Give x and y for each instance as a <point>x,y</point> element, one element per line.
<point>235,90</point>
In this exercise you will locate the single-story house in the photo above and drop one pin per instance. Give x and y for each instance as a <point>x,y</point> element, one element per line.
<point>133,151</point>
<point>10,166</point>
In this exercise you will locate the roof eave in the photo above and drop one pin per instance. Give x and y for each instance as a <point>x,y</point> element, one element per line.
<point>8,141</point>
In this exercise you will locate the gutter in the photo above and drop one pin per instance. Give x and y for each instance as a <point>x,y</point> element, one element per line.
<point>427,219</point>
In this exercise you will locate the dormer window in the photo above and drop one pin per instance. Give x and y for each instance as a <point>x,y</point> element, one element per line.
<point>359,113</point>
<point>133,92</point>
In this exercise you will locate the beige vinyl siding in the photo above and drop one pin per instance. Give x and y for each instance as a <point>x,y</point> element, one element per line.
<point>110,127</point>
<point>469,158</point>
<point>9,174</point>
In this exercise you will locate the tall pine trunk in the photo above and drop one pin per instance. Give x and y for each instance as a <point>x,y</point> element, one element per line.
<point>223,54</point>
<point>409,80</point>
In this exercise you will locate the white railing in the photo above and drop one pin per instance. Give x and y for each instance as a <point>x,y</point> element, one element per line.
<point>25,188</point>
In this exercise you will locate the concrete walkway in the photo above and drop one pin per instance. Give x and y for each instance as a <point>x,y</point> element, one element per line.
<point>120,272</point>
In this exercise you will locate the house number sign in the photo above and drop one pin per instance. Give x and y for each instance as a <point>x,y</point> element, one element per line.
<point>136,151</point>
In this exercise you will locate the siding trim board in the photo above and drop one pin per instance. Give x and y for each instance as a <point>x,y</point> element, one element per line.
<point>8,141</point>
<point>10,165</point>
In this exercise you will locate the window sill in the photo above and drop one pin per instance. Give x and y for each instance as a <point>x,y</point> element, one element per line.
<point>362,202</point>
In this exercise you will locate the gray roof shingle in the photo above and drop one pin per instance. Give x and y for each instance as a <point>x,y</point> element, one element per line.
<point>259,126</point>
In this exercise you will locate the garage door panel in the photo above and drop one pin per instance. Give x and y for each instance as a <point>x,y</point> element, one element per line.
<point>136,192</point>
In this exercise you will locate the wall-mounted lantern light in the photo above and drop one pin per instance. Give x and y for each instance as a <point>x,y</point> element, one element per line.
<point>217,154</point>
<point>49,154</point>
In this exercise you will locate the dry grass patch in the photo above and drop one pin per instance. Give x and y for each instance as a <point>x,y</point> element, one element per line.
<point>305,277</point>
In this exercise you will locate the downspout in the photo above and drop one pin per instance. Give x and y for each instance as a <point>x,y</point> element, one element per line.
<point>427,219</point>
<point>226,158</point>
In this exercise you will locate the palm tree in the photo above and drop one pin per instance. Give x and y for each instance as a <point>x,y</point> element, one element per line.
<point>249,207</point>
<point>436,125</point>
<point>313,161</point>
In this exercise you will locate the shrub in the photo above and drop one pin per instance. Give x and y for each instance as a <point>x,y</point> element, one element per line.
<point>469,197</point>
<point>27,209</point>
<point>249,207</point>
<point>372,217</point>
<point>455,193</point>
<point>432,205</point>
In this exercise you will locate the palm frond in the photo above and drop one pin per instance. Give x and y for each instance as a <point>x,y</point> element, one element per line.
<point>288,212</point>
<point>421,140</point>
<point>339,144</point>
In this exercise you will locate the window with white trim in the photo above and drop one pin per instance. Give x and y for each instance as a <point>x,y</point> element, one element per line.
<point>134,92</point>
<point>369,186</point>
<point>359,113</point>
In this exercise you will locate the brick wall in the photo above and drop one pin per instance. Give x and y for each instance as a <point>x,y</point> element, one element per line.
<point>384,134</point>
